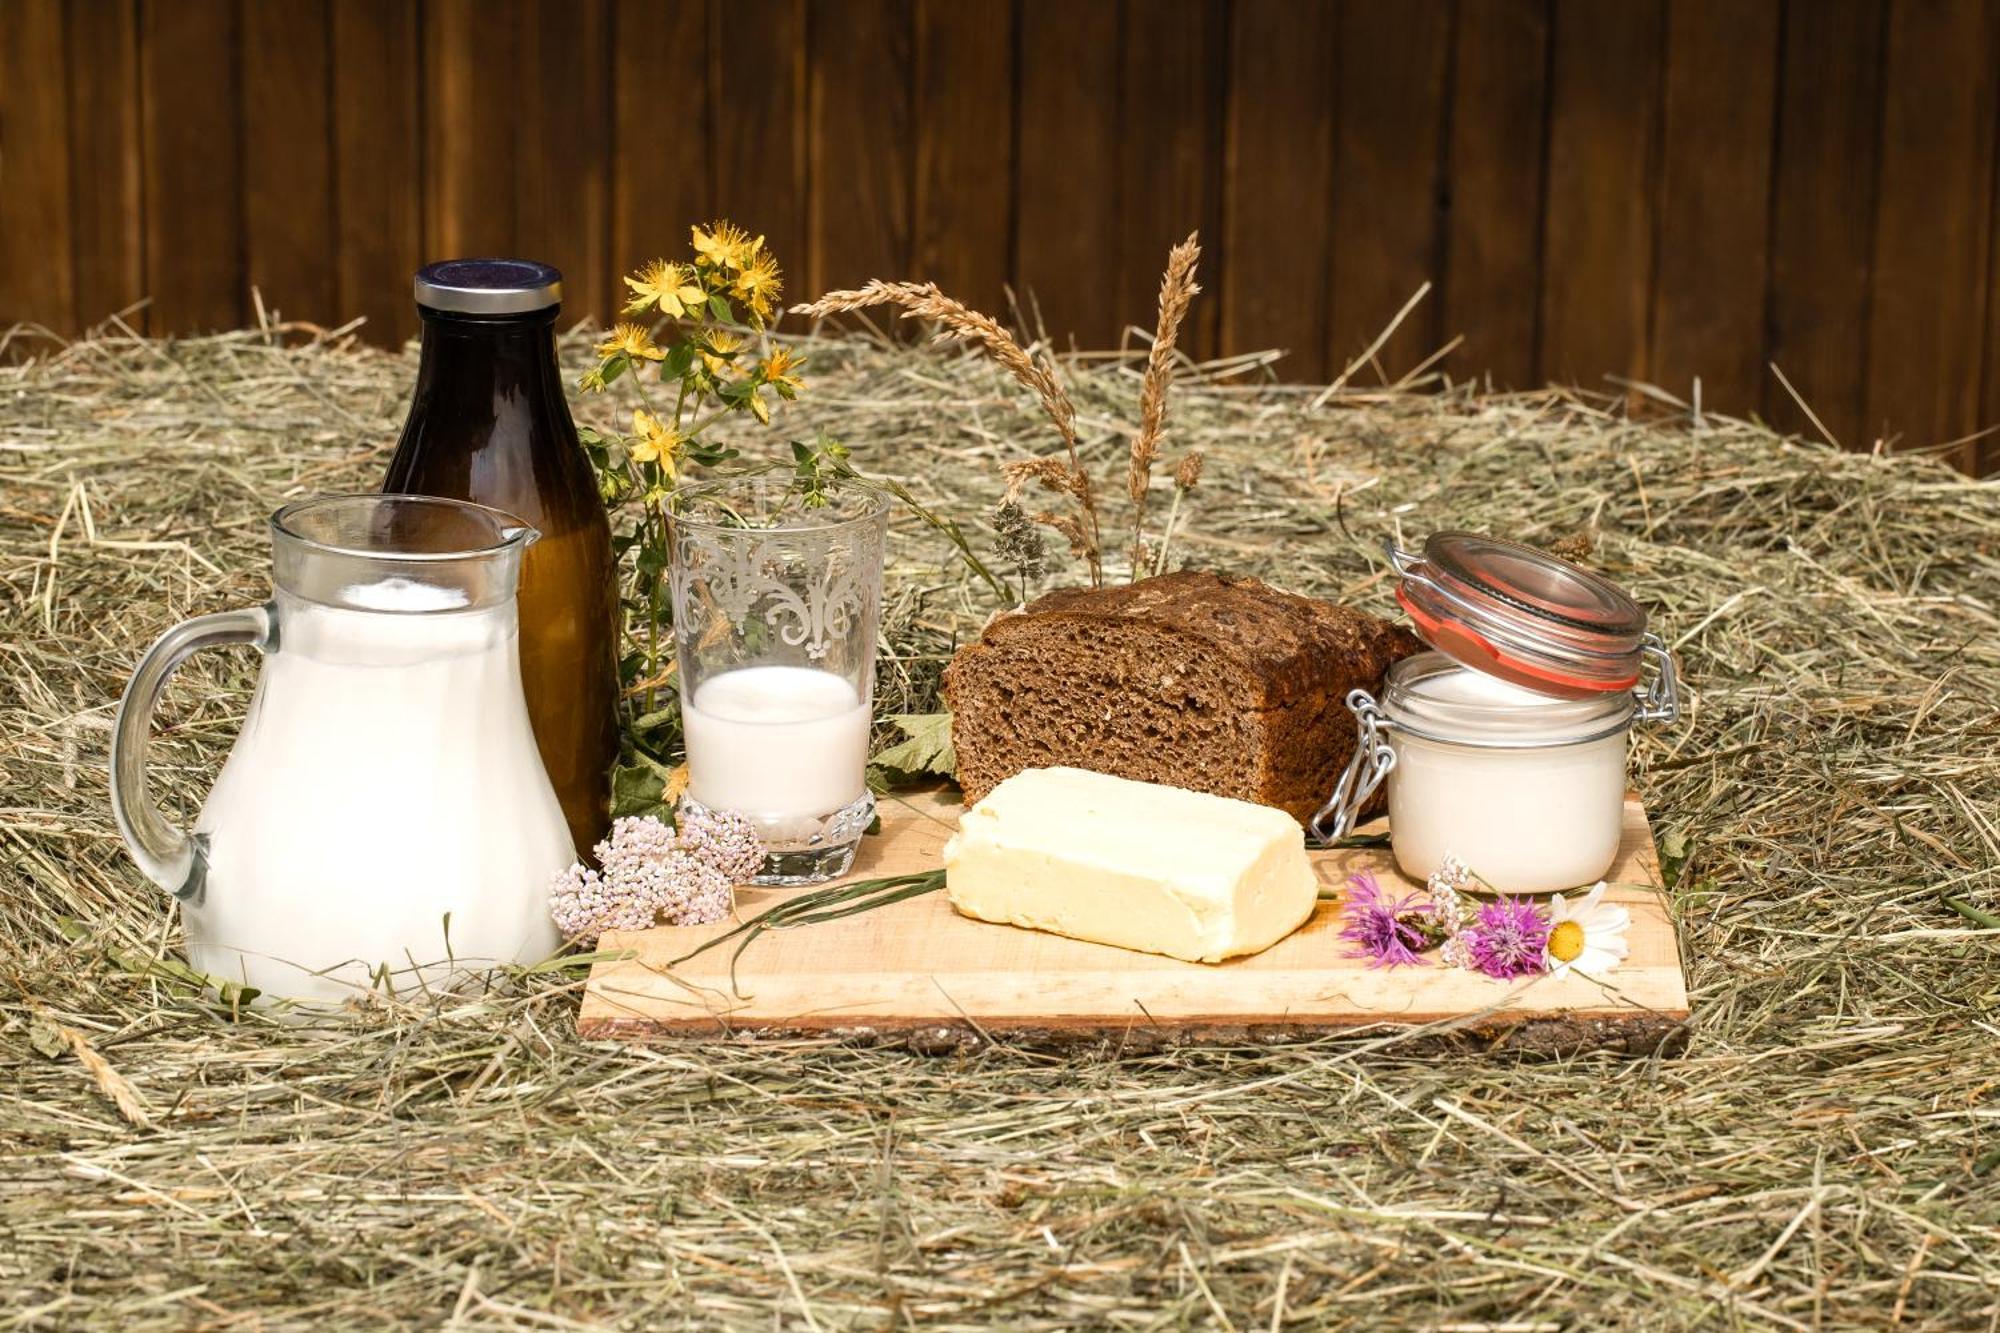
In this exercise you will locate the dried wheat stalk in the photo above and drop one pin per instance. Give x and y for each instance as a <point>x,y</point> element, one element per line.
<point>960,322</point>
<point>1177,289</point>
<point>957,321</point>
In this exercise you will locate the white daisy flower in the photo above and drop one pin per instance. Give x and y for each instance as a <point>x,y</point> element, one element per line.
<point>1588,934</point>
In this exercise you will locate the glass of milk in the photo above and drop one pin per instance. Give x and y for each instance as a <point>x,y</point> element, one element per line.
<point>383,820</point>
<point>776,604</point>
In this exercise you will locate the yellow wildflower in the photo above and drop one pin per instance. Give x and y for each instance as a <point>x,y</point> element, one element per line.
<point>653,441</point>
<point>780,371</point>
<point>633,341</point>
<point>757,286</point>
<point>716,348</point>
<point>669,287</point>
<point>758,407</point>
<point>724,245</point>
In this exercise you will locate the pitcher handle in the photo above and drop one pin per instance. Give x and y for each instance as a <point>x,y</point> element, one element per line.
<point>174,860</point>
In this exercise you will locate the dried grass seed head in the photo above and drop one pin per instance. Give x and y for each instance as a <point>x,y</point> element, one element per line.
<point>1188,471</point>
<point>1177,291</point>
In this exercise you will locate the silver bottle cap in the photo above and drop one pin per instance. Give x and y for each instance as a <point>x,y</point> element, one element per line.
<point>488,286</point>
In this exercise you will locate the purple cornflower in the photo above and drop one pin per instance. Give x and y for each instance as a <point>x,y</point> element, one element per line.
<point>1387,931</point>
<point>1508,938</point>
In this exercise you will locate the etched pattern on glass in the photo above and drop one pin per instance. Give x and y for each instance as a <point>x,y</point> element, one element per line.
<point>807,594</point>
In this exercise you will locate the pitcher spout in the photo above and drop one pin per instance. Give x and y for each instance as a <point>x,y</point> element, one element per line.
<point>433,554</point>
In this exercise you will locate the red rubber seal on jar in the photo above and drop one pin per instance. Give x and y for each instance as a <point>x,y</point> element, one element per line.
<point>1522,615</point>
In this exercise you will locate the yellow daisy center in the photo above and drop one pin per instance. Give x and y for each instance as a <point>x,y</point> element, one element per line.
<point>1566,942</point>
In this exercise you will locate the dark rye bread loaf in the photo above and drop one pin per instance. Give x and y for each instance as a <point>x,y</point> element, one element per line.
<point>1217,684</point>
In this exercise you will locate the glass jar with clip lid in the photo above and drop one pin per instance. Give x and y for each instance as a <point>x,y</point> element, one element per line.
<point>1506,745</point>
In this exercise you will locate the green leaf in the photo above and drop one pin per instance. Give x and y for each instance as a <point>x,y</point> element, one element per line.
<point>679,357</point>
<point>656,719</point>
<point>645,757</point>
<point>46,1038</point>
<point>236,997</point>
<point>636,789</point>
<point>1674,849</point>
<point>925,751</point>
<point>708,453</point>
<point>579,962</point>
<point>614,365</point>
<point>720,309</point>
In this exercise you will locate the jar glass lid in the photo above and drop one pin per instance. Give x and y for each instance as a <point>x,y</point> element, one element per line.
<point>1521,614</point>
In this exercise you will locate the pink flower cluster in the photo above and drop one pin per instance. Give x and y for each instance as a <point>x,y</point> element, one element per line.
<point>649,871</point>
<point>725,839</point>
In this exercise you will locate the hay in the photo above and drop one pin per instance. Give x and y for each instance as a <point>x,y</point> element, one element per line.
<point>1826,1153</point>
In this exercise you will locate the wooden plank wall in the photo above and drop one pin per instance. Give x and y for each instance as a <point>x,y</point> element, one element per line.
<point>1645,189</point>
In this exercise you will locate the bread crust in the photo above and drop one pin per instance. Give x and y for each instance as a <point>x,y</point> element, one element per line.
<point>1203,681</point>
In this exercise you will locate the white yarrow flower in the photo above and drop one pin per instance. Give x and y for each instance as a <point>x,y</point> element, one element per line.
<point>1587,934</point>
<point>1447,887</point>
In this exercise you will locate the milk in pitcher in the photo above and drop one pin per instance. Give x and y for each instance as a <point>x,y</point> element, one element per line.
<point>366,829</point>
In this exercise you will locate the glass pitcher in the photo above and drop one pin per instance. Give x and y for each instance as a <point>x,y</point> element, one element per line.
<point>384,817</point>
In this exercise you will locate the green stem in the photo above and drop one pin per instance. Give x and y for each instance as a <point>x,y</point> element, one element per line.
<point>656,527</point>
<point>1166,535</point>
<point>828,904</point>
<point>944,527</point>
<point>702,423</point>
<point>1971,913</point>
<point>639,387</point>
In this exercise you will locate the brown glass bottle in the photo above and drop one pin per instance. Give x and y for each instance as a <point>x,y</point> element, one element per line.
<point>489,423</point>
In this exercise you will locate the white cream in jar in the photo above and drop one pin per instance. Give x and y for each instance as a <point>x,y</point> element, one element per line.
<point>1527,789</point>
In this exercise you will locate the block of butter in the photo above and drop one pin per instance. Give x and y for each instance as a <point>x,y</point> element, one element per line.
<point>1135,864</point>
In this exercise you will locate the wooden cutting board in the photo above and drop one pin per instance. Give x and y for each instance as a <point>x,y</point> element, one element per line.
<point>917,967</point>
